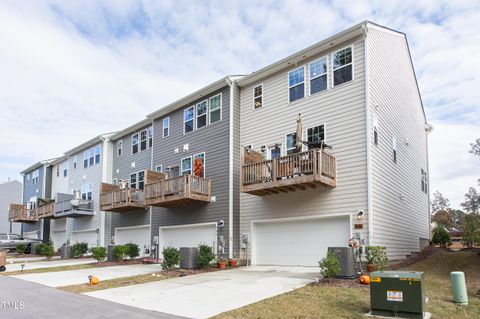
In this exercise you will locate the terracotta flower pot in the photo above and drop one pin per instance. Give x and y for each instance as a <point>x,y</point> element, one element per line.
<point>222,265</point>
<point>371,267</point>
<point>232,262</point>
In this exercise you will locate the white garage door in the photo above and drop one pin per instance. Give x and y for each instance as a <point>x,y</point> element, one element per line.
<point>58,232</point>
<point>188,236</point>
<point>299,242</point>
<point>88,236</point>
<point>139,235</point>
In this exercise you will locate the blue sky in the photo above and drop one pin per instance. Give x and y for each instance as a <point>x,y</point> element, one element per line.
<point>73,69</point>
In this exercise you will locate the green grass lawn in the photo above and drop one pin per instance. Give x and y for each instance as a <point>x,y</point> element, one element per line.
<point>330,301</point>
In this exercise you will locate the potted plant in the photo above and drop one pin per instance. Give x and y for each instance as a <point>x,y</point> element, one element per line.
<point>222,263</point>
<point>376,257</point>
<point>232,262</point>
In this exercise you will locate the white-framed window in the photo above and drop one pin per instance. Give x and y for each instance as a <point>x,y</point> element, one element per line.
<point>318,75</point>
<point>150,136</point>
<point>201,110</point>
<point>91,158</point>
<point>58,170</point>
<point>36,176</point>
<point>75,161</point>
<point>342,65</point>
<point>65,169</point>
<point>186,165</point>
<point>296,84</point>
<point>258,96</point>
<point>143,140</point>
<point>375,129</point>
<point>119,148</point>
<point>290,143</point>
<point>316,134</point>
<point>98,152</point>
<point>166,126</point>
<point>133,180</point>
<point>114,181</point>
<point>135,143</point>
<point>86,191</point>
<point>141,179</point>
<point>275,151</point>
<point>173,171</point>
<point>424,181</point>
<point>199,164</point>
<point>158,168</point>
<point>85,158</point>
<point>215,108</point>
<point>394,149</point>
<point>188,119</point>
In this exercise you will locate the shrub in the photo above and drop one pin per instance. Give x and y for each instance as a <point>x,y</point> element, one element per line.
<point>45,249</point>
<point>329,265</point>
<point>171,258</point>
<point>133,251</point>
<point>377,255</point>
<point>21,249</point>
<point>205,256</point>
<point>471,233</point>
<point>120,252</point>
<point>441,236</point>
<point>79,249</point>
<point>99,253</point>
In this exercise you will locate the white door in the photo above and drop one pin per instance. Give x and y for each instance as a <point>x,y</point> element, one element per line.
<point>297,242</point>
<point>188,236</point>
<point>88,236</point>
<point>139,235</point>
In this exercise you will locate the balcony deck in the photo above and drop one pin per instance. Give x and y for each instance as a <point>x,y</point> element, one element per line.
<point>65,208</point>
<point>21,214</point>
<point>178,190</point>
<point>122,200</point>
<point>45,211</point>
<point>298,171</point>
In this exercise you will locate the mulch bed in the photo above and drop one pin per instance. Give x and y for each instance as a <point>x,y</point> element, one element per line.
<point>121,263</point>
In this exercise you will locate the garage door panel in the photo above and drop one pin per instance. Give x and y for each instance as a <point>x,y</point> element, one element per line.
<point>90,237</point>
<point>136,235</point>
<point>188,236</point>
<point>301,242</point>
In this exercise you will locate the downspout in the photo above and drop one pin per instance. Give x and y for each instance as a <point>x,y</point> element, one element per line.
<point>150,207</point>
<point>105,165</point>
<point>230,174</point>
<point>369,146</point>
<point>23,201</point>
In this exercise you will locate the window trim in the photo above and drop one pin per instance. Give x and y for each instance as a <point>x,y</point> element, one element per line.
<point>95,154</point>
<point>149,137</point>
<point>304,84</point>
<point>271,147</point>
<point>206,115</point>
<point>285,149</point>
<point>204,162</point>
<point>115,181</point>
<point>161,168</point>
<point>310,79</point>
<point>324,131</point>
<point>394,149</point>
<point>138,142</point>
<point>75,161</point>
<point>193,119</point>
<point>220,108</point>
<point>130,180</point>
<point>253,96</point>
<point>119,148</point>
<point>65,168</point>
<point>181,165</point>
<point>144,140</point>
<point>168,127</point>
<point>352,63</point>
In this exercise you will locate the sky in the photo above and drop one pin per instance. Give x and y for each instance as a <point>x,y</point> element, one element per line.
<point>70,70</point>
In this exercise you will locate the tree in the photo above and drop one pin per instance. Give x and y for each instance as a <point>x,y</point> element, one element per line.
<point>439,202</point>
<point>472,201</point>
<point>475,147</point>
<point>443,218</point>
<point>441,236</point>
<point>471,234</point>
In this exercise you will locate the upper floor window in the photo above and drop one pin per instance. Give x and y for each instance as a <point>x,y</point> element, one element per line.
<point>135,143</point>
<point>85,158</point>
<point>316,134</point>
<point>98,151</point>
<point>91,159</point>
<point>202,114</point>
<point>65,169</point>
<point>424,181</point>
<point>290,143</point>
<point>86,191</point>
<point>342,66</point>
<point>296,84</point>
<point>28,177</point>
<point>318,75</point>
<point>215,108</point>
<point>150,136</point>
<point>58,170</point>
<point>75,161</point>
<point>166,126</point>
<point>258,96</point>
<point>188,119</point>
<point>92,156</point>
<point>143,140</point>
<point>141,177</point>
<point>35,176</point>
<point>375,129</point>
<point>186,165</point>
<point>119,148</point>
<point>394,149</point>
<point>158,168</point>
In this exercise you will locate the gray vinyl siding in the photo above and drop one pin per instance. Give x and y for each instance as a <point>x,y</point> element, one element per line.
<point>214,141</point>
<point>122,168</point>
<point>397,223</point>
<point>343,111</point>
<point>10,193</point>
<point>30,190</point>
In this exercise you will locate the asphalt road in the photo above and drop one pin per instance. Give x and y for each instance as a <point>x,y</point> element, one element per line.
<point>21,299</point>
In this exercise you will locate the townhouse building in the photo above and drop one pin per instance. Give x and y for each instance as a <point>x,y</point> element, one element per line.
<point>60,227</point>
<point>10,192</point>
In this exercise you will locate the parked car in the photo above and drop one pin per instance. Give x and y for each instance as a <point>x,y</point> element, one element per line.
<point>10,241</point>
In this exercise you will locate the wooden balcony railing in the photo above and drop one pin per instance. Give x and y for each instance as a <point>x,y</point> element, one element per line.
<point>176,190</point>
<point>45,211</point>
<point>20,213</point>
<point>122,200</point>
<point>288,173</point>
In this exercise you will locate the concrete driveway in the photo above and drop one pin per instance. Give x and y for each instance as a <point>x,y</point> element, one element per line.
<point>80,276</point>
<point>205,295</point>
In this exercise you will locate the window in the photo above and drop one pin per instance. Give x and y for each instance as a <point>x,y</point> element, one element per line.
<point>91,159</point>
<point>199,164</point>
<point>133,180</point>
<point>114,181</point>
<point>296,84</point>
<point>98,151</point>
<point>342,66</point>
<point>135,143</point>
<point>258,96</point>
<point>290,143</point>
<point>394,148</point>
<point>150,136</point>
<point>316,134</point>
<point>375,129</point>
<point>202,114</point>
<point>65,168</point>
<point>35,175</point>
<point>75,160</point>
<point>119,148</point>
<point>186,165</point>
<point>173,171</point>
<point>318,75</point>
<point>28,177</point>
<point>424,181</point>
<point>166,127</point>
<point>275,152</point>
<point>141,177</point>
<point>58,170</point>
<point>158,168</point>
<point>215,108</point>
<point>143,140</point>
<point>86,191</point>
<point>188,119</point>
<point>85,159</point>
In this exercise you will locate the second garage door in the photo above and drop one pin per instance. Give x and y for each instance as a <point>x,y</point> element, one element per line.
<point>139,235</point>
<point>89,236</point>
<point>297,242</point>
<point>188,236</point>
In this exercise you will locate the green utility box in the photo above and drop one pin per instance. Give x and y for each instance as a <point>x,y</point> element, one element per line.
<point>397,294</point>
